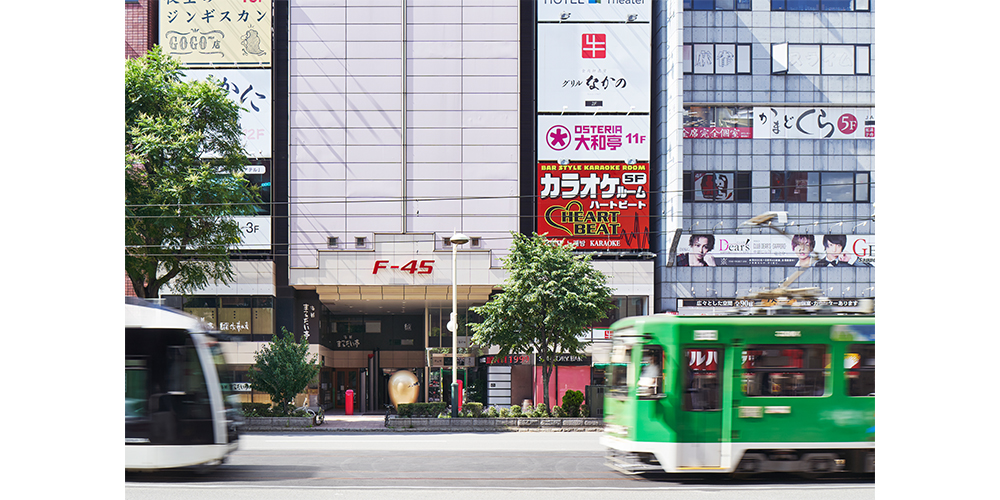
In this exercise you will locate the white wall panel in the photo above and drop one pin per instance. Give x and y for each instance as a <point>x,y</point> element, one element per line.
<point>430,136</point>
<point>417,119</point>
<point>472,170</point>
<point>316,119</point>
<point>316,153</point>
<point>490,153</point>
<point>373,154</point>
<point>490,83</point>
<point>373,119</point>
<point>318,32</point>
<point>304,136</point>
<point>299,188</point>
<point>374,67</point>
<point>306,171</point>
<point>317,67</point>
<point>434,84</point>
<point>490,15</point>
<point>315,102</point>
<point>374,84</point>
<point>434,32</point>
<point>449,189</point>
<point>434,67</point>
<point>374,32</point>
<point>485,102</point>
<point>357,170</point>
<point>490,32</point>
<point>489,50</point>
<point>433,49</point>
<point>372,136</point>
<point>318,84</point>
<point>330,49</point>
<point>317,15</point>
<point>418,153</point>
<point>375,50</point>
<point>490,67</point>
<point>497,136</point>
<point>434,15</point>
<point>434,171</point>
<point>375,102</point>
<point>434,102</point>
<point>374,15</point>
<point>365,190</point>
<point>486,119</point>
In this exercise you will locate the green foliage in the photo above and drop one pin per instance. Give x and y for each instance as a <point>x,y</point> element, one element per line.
<point>475,392</point>
<point>540,411</point>
<point>184,181</point>
<point>504,413</point>
<point>551,295</point>
<point>557,412</point>
<point>571,403</point>
<point>515,411</point>
<point>420,410</point>
<point>584,410</point>
<point>492,412</point>
<point>471,410</point>
<point>282,370</point>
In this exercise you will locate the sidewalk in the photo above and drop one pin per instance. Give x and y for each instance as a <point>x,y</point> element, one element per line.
<point>339,421</point>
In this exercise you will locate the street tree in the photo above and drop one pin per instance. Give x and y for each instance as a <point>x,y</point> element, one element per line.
<point>551,296</point>
<point>184,182</point>
<point>283,369</point>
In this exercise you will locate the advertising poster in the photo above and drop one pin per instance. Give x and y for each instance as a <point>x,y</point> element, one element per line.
<point>594,67</point>
<point>593,138</point>
<point>217,32</point>
<point>803,122</point>
<point>251,90</point>
<point>595,205</point>
<point>760,250</point>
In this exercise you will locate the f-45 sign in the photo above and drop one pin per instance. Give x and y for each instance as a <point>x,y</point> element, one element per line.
<point>412,267</point>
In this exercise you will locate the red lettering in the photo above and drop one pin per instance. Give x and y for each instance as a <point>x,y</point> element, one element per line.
<point>379,264</point>
<point>854,247</point>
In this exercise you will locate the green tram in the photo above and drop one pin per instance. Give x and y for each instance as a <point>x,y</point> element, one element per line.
<point>741,394</point>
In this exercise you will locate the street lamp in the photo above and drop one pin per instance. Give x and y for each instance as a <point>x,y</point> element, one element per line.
<point>456,240</point>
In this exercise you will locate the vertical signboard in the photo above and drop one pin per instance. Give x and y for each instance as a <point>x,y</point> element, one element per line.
<point>250,89</point>
<point>592,122</point>
<point>217,32</point>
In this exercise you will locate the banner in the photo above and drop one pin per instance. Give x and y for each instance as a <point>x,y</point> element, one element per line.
<point>758,250</point>
<point>593,138</point>
<point>595,205</point>
<point>217,32</point>
<point>802,122</point>
<point>595,10</point>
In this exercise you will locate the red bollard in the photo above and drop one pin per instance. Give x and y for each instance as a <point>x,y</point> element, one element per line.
<point>460,395</point>
<point>349,403</point>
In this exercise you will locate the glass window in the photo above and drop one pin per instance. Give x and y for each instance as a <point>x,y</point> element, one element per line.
<point>837,186</point>
<point>859,370</point>
<point>861,187</point>
<point>802,5</point>
<point>701,379</point>
<point>136,388</point>
<point>785,370</point>
<point>804,59</point>
<point>621,357</point>
<point>651,372</point>
<point>837,5</point>
<point>717,4</point>
<point>698,116</point>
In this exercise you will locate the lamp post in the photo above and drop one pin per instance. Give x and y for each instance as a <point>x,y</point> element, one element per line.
<point>456,240</point>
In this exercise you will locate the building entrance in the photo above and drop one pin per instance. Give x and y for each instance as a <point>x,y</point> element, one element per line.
<point>347,380</point>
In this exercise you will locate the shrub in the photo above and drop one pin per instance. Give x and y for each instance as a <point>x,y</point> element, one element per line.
<point>515,411</point>
<point>571,403</point>
<point>540,411</point>
<point>504,412</point>
<point>557,411</point>
<point>473,410</point>
<point>406,410</point>
<point>256,409</point>
<point>584,410</point>
<point>493,412</point>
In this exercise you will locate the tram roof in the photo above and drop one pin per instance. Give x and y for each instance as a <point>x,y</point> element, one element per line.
<point>738,319</point>
<point>142,314</point>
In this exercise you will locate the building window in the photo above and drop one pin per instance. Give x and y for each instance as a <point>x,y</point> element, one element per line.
<point>820,59</point>
<point>785,370</point>
<point>260,176</point>
<point>859,370</point>
<point>717,59</point>
<point>820,187</point>
<point>359,242</point>
<point>717,187</point>
<point>717,4</point>
<point>718,122</point>
<point>819,5</point>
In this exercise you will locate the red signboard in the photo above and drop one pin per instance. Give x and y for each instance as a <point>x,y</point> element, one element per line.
<point>595,205</point>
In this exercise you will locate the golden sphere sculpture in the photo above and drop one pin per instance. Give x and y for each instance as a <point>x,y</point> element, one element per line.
<point>403,388</point>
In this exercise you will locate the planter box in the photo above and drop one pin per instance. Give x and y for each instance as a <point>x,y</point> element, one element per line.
<point>278,422</point>
<point>496,424</point>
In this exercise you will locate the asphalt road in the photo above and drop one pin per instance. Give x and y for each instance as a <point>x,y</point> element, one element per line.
<point>429,465</point>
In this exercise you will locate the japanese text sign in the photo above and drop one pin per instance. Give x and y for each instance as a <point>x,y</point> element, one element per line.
<point>813,123</point>
<point>595,10</point>
<point>217,32</point>
<point>593,138</point>
<point>593,67</point>
<point>251,90</point>
<point>595,205</point>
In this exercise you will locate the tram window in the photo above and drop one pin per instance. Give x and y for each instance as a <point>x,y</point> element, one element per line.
<point>784,370</point>
<point>859,370</point>
<point>621,356</point>
<point>136,389</point>
<point>701,379</point>
<point>651,372</point>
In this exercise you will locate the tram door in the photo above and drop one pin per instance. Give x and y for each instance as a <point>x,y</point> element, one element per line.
<point>702,407</point>
<point>346,379</point>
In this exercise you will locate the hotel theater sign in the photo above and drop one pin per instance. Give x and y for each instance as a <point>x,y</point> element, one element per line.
<point>593,122</point>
